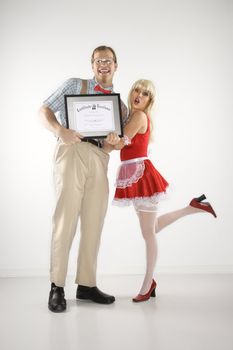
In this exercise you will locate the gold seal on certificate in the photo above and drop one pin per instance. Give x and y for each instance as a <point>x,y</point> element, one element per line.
<point>94,116</point>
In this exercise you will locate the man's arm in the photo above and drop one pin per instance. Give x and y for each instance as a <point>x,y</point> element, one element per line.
<point>50,122</point>
<point>124,113</point>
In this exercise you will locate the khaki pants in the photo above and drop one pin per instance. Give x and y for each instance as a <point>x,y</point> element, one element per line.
<point>81,185</point>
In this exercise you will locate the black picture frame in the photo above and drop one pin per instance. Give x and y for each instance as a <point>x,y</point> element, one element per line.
<point>94,115</point>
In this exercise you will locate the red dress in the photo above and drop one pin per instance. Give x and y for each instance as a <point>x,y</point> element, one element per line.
<point>138,181</point>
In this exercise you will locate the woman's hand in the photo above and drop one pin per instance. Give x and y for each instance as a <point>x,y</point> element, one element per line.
<point>112,139</point>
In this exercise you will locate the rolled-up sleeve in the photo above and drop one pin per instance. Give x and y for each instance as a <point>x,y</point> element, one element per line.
<point>56,101</point>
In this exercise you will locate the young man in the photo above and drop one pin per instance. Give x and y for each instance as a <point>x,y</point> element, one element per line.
<point>81,185</point>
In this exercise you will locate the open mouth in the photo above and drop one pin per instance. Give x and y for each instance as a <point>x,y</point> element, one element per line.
<point>136,101</point>
<point>104,71</point>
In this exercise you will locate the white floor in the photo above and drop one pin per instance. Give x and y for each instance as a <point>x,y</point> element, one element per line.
<point>190,312</point>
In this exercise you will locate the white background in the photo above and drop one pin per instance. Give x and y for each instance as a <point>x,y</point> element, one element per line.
<point>185,48</point>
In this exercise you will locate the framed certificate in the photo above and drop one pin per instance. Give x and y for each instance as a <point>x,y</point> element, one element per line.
<point>94,116</point>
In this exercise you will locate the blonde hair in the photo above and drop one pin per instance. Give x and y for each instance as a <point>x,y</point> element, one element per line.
<point>148,86</point>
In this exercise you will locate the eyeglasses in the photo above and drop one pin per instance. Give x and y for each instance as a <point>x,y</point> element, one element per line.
<point>99,61</point>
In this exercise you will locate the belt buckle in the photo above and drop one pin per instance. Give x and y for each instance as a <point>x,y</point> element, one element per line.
<point>94,142</point>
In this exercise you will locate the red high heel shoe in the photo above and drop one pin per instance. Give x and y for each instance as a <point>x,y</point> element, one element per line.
<point>197,203</point>
<point>150,293</point>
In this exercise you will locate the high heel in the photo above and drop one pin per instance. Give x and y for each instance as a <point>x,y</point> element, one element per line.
<point>150,293</point>
<point>197,203</point>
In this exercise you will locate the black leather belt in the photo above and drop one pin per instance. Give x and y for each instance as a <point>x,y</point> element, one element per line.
<point>94,142</point>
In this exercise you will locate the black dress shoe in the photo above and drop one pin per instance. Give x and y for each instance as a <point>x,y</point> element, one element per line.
<point>94,294</point>
<point>57,301</point>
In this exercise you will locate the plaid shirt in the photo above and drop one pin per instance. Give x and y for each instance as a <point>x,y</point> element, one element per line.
<point>73,86</point>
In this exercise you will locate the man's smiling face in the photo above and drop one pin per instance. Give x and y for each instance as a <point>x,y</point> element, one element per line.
<point>104,67</point>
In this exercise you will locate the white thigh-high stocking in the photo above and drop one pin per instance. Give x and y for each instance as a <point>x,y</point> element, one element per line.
<point>151,224</point>
<point>167,219</point>
<point>147,224</point>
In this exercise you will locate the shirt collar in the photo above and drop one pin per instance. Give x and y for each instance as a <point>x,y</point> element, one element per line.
<point>109,88</point>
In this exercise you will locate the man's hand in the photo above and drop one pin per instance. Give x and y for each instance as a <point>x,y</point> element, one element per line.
<point>49,120</point>
<point>112,138</point>
<point>69,136</point>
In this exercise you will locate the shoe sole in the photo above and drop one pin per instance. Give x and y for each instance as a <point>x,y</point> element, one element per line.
<point>96,301</point>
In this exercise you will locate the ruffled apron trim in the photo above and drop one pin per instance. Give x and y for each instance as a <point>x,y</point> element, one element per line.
<point>141,201</point>
<point>130,171</point>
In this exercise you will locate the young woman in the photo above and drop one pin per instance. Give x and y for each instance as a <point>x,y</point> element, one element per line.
<point>140,184</point>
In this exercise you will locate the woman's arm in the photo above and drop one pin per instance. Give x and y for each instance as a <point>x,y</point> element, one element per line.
<point>136,124</point>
